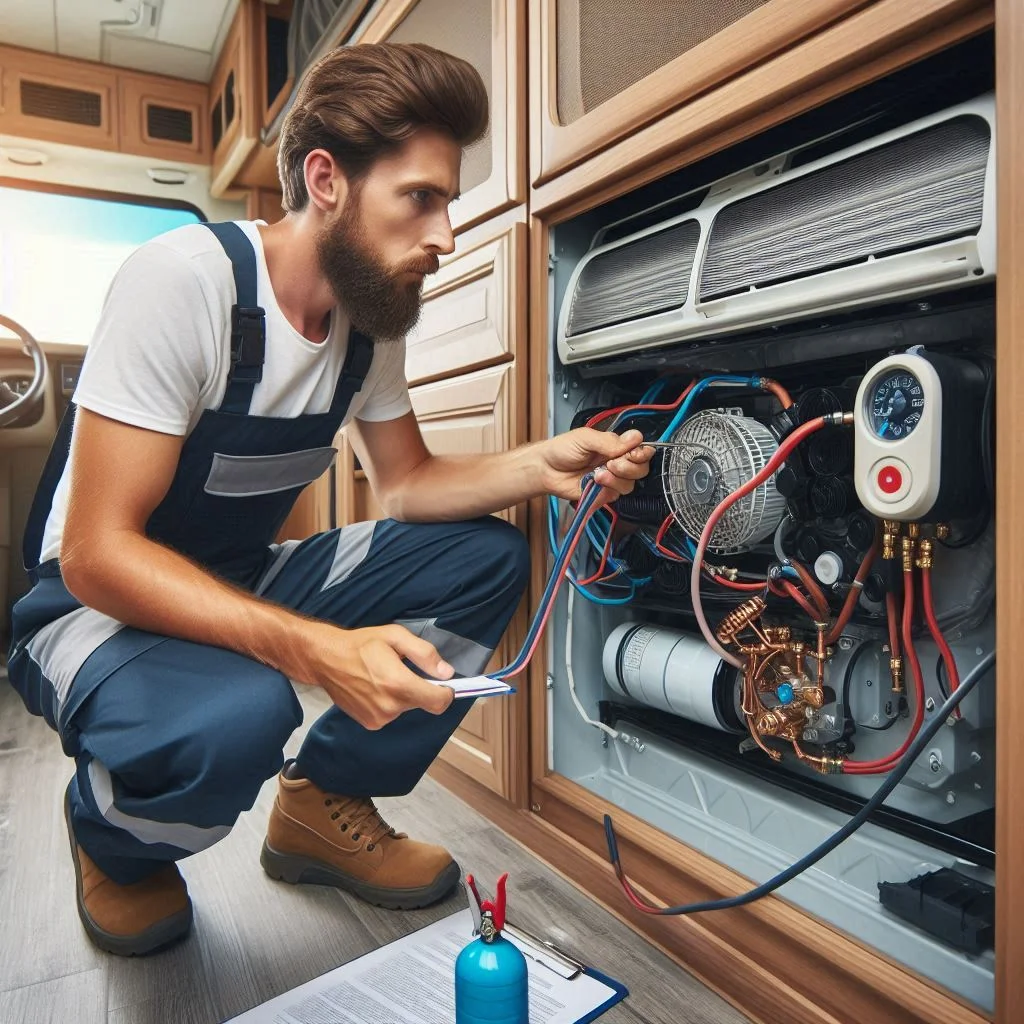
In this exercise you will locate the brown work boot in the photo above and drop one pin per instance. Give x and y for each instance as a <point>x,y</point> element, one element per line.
<point>129,920</point>
<point>325,839</point>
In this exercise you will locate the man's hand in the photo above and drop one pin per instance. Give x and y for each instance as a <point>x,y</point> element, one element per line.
<point>617,460</point>
<point>363,673</point>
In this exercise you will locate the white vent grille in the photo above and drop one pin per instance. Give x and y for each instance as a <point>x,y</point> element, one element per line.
<point>917,191</point>
<point>641,278</point>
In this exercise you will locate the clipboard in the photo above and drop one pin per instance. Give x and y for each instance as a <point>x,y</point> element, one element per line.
<point>548,955</point>
<point>330,996</point>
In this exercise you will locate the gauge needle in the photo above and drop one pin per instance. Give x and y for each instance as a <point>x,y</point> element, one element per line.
<point>885,427</point>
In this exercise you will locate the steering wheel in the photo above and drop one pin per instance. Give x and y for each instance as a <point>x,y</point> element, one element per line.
<point>12,409</point>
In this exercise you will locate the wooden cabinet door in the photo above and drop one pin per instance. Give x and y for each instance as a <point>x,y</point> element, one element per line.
<point>164,118</point>
<point>471,310</point>
<point>601,69</point>
<point>233,103</point>
<point>490,34</point>
<point>60,100</point>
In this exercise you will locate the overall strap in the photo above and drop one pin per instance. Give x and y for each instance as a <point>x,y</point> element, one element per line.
<point>357,365</point>
<point>248,320</point>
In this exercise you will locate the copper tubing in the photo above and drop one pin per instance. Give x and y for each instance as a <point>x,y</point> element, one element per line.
<point>739,618</point>
<point>816,594</point>
<point>855,591</point>
<point>810,611</point>
<point>952,674</point>
<point>895,661</point>
<point>778,391</point>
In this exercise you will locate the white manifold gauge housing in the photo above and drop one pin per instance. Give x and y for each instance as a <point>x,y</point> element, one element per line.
<point>898,438</point>
<point>713,454</point>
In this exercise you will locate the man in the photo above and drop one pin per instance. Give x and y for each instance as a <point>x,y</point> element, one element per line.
<point>164,626</point>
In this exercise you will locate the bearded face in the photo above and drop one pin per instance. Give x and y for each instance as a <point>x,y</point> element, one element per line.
<point>383,301</point>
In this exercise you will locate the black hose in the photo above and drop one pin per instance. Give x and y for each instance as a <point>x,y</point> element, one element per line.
<point>877,799</point>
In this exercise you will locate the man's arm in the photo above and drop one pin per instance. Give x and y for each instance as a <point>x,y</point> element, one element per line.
<point>119,474</point>
<point>413,485</point>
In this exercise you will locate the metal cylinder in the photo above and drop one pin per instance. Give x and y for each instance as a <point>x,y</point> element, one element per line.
<point>674,672</point>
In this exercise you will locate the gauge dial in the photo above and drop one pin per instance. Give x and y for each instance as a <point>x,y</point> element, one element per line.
<point>896,403</point>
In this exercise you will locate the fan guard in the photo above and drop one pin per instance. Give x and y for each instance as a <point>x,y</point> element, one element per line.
<point>716,453</point>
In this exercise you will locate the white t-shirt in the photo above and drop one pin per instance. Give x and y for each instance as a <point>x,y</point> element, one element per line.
<point>161,352</point>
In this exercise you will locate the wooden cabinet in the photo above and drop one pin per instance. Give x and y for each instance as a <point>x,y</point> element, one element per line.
<point>84,104</point>
<point>234,111</point>
<point>164,118</point>
<point>601,69</point>
<point>490,34</point>
<point>59,100</point>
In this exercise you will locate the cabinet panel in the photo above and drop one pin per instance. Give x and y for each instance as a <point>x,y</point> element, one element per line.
<point>233,101</point>
<point>164,119</point>
<point>44,97</point>
<point>490,34</point>
<point>601,69</point>
<point>469,314</point>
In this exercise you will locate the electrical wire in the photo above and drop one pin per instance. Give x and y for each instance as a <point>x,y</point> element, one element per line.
<point>823,849</point>
<point>572,677</point>
<point>933,627</point>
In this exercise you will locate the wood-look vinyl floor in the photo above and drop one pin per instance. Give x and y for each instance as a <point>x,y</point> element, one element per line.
<point>255,938</point>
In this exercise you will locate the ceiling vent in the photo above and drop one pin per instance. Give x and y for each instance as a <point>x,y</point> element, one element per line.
<point>59,103</point>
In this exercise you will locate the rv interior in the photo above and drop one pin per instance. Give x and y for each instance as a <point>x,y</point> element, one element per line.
<point>783,240</point>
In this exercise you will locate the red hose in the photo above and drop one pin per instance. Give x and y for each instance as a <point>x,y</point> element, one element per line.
<point>851,598</point>
<point>894,629</point>
<point>940,641</point>
<point>814,592</point>
<point>887,763</point>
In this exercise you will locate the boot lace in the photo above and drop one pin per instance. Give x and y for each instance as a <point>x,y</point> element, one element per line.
<point>360,815</point>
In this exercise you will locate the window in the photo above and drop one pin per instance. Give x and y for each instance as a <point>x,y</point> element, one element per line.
<point>59,253</point>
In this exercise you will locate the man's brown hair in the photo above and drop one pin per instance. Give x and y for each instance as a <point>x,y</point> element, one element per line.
<point>361,102</point>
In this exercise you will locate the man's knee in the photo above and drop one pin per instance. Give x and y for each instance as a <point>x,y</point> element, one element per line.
<point>500,556</point>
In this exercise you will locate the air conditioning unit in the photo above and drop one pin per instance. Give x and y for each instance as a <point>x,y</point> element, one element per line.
<point>906,213</point>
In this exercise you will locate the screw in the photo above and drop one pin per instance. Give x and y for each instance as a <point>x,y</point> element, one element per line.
<point>951,797</point>
<point>867,682</point>
<point>977,786</point>
<point>888,709</point>
<point>935,762</point>
<point>845,643</point>
<point>975,757</point>
<point>930,704</point>
<point>549,681</point>
<point>979,651</point>
<point>535,808</point>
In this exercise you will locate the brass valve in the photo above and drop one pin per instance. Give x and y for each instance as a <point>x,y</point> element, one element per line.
<point>890,531</point>
<point>908,554</point>
<point>942,531</point>
<point>924,554</point>
<point>896,671</point>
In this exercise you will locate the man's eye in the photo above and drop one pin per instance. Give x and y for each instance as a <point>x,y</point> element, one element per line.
<point>420,195</point>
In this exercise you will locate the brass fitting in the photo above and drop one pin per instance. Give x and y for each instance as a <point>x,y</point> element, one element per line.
<point>914,530</point>
<point>908,554</point>
<point>942,531</point>
<point>896,671</point>
<point>924,554</point>
<point>890,531</point>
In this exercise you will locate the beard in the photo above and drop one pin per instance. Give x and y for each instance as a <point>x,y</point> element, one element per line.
<point>379,303</point>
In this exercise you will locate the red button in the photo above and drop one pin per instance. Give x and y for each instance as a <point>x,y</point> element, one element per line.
<point>890,479</point>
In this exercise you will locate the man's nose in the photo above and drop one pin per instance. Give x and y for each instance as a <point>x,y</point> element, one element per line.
<point>441,239</point>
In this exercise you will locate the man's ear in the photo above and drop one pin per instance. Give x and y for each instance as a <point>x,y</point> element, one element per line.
<point>325,182</point>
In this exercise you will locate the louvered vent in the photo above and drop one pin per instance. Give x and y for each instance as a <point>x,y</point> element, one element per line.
<point>916,191</point>
<point>171,124</point>
<point>641,278</point>
<point>58,103</point>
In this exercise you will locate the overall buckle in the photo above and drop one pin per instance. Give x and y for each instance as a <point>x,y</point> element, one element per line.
<point>248,340</point>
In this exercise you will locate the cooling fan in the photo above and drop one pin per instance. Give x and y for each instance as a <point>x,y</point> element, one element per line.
<point>713,454</point>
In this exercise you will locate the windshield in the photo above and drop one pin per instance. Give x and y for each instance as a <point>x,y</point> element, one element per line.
<point>59,253</point>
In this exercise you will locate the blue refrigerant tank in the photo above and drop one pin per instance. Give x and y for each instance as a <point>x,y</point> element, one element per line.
<point>491,979</point>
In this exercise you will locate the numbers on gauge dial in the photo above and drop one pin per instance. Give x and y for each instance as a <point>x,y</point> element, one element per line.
<point>897,402</point>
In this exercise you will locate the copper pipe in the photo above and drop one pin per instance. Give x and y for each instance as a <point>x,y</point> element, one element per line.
<point>739,618</point>
<point>825,765</point>
<point>778,391</point>
<point>811,586</point>
<point>855,591</point>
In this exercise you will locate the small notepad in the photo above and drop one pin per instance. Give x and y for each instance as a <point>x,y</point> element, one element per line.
<point>475,686</point>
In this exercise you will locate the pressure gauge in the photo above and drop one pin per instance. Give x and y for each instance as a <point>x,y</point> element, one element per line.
<point>916,437</point>
<point>897,405</point>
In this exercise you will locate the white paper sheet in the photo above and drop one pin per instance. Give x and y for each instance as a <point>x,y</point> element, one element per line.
<point>412,981</point>
<point>474,686</point>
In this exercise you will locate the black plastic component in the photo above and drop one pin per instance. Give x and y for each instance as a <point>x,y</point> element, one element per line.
<point>860,531</point>
<point>673,578</point>
<point>958,910</point>
<point>832,496</point>
<point>830,451</point>
<point>875,588</point>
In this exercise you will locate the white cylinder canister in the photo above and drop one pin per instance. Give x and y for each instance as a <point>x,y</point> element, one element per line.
<point>674,672</point>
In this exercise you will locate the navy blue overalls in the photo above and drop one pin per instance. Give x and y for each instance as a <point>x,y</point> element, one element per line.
<point>173,740</point>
